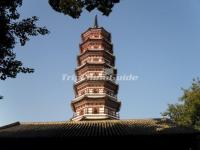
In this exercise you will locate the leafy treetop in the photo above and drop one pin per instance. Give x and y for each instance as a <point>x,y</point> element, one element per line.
<point>74,8</point>
<point>13,30</point>
<point>187,112</point>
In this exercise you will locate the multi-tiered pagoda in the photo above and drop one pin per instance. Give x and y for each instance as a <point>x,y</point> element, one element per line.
<point>96,89</point>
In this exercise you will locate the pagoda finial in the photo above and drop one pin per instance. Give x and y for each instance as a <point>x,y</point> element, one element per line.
<point>96,22</point>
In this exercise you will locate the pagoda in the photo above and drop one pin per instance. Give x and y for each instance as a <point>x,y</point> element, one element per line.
<point>95,88</point>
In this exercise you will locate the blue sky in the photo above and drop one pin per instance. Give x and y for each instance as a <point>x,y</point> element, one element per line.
<point>157,40</point>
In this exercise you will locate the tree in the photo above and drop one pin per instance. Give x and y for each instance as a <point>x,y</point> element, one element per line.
<point>187,111</point>
<point>74,8</point>
<point>13,30</point>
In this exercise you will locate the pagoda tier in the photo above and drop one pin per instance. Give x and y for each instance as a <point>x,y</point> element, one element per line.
<point>96,56</point>
<point>95,107</point>
<point>96,44</point>
<point>96,33</point>
<point>96,88</point>
<point>91,69</point>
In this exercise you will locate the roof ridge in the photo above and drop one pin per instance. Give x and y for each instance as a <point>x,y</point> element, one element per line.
<point>45,122</point>
<point>69,121</point>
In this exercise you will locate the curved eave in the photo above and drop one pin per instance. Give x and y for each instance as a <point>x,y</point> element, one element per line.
<point>101,52</point>
<point>101,39</point>
<point>96,50</point>
<point>102,28</point>
<point>95,64</point>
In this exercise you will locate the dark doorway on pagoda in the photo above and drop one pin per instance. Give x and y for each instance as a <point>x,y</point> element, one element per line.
<point>95,110</point>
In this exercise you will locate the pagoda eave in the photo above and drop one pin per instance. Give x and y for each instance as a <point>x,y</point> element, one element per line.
<point>103,82</point>
<point>87,98</point>
<point>101,40</point>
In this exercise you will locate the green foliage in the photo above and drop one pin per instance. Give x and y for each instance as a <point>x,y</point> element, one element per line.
<point>74,8</point>
<point>13,30</point>
<point>187,111</point>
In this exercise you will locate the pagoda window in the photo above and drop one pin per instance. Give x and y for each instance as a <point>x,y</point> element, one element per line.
<point>81,112</point>
<point>95,59</point>
<point>96,91</point>
<point>96,74</point>
<point>96,46</point>
<point>95,110</point>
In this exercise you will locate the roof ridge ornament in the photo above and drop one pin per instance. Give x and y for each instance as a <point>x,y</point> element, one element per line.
<point>96,22</point>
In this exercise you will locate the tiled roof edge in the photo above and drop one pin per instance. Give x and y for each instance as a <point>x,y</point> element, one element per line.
<point>10,125</point>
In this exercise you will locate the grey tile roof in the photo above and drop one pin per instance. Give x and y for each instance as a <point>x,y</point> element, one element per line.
<point>132,127</point>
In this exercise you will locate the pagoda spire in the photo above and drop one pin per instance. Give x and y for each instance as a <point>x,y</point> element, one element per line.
<point>96,22</point>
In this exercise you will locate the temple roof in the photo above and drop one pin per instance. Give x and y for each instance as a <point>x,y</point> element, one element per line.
<point>132,127</point>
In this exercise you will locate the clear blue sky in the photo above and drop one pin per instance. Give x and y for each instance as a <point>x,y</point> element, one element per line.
<point>158,40</point>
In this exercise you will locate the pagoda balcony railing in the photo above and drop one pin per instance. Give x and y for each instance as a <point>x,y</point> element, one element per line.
<point>115,115</point>
<point>95,95</point>
<point>96,38</point>
<point>98,62</point>
<point>93,48</point>
<point>94,63</point>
